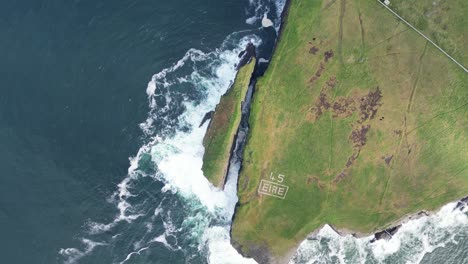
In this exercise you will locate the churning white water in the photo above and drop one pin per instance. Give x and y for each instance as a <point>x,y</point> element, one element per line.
<point>175,148</point>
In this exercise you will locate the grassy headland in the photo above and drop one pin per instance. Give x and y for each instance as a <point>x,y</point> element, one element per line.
<point>364,118</point>
<point>219,138</point>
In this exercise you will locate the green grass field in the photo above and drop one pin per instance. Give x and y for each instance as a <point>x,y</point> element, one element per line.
<point>223,127</point>
<point>373,132</point>
<point>443,21</point>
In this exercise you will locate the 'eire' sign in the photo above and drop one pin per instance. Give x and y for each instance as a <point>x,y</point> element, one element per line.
<point>273,189</point>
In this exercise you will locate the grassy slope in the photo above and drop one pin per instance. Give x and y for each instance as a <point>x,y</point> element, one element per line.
<point>424,97</point>
<point>223,127</point>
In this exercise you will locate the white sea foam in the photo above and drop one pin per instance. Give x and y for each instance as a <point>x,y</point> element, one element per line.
<point>72,255</point>
<point>176,149</point>
<point>266,22</point>
<point>178,157</point>
<point>410,244</point>
<point>133,253</point>
<point>220,250</point>
<point>261,10</point>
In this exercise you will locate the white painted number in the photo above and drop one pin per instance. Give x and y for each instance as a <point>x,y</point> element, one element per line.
<point>280,178</point>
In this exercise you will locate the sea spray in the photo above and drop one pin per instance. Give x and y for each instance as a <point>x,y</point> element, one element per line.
<point>192,220</point>
<point>193,215</point>
<point>410,244</point>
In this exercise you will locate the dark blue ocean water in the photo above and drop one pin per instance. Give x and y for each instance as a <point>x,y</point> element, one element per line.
<point>73,75</point>
<point>100,149</point>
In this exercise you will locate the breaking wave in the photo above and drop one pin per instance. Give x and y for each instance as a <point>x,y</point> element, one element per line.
<point>166,205</point>
<point>411,244</point>
<point>195,216</point>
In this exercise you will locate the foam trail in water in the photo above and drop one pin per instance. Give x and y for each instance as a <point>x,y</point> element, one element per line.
<point>178,97</point>
<point>73,254</point>
<point>179,160</point>
<point>178,153</point>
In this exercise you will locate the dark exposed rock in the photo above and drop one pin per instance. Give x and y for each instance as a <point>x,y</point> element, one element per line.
<point>206,118</point>
<point>259,252</point>
<point>385,234</point>
<point>246,55</point>
<point>462,204</point>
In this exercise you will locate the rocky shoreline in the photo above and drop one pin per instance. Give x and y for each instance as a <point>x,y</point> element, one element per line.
<point>260,253</point>
<point>386,233</point>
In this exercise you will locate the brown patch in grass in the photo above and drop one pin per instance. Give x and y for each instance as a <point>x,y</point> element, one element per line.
<point>344,107</point>
<point>322,103</point>
<point>340,177</point>
<point>313,50</point>
<point>328,55</point>
<point>387,159</point>
<point>369,104</point>
<point>331,83</point>
<point>352,158</point>
<point>397,132</point>
<point>366,105</point>
<point>316,180</point>
<point>358,136</point>
<point>318,73</point>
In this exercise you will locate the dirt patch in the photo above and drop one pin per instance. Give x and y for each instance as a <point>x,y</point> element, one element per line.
<point>322,104</point>
<point>358,136</point>
<point>340,177</point>
<point>316,180</point>
<point>387,159</point>
<point>331,83</point>
<point>344,107</point>
<point>313,50</point>
<point>318,73</point>
<point>352,158</point>
<point>366,105</point>
<point>328,55</point>
<point>369,104</point>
